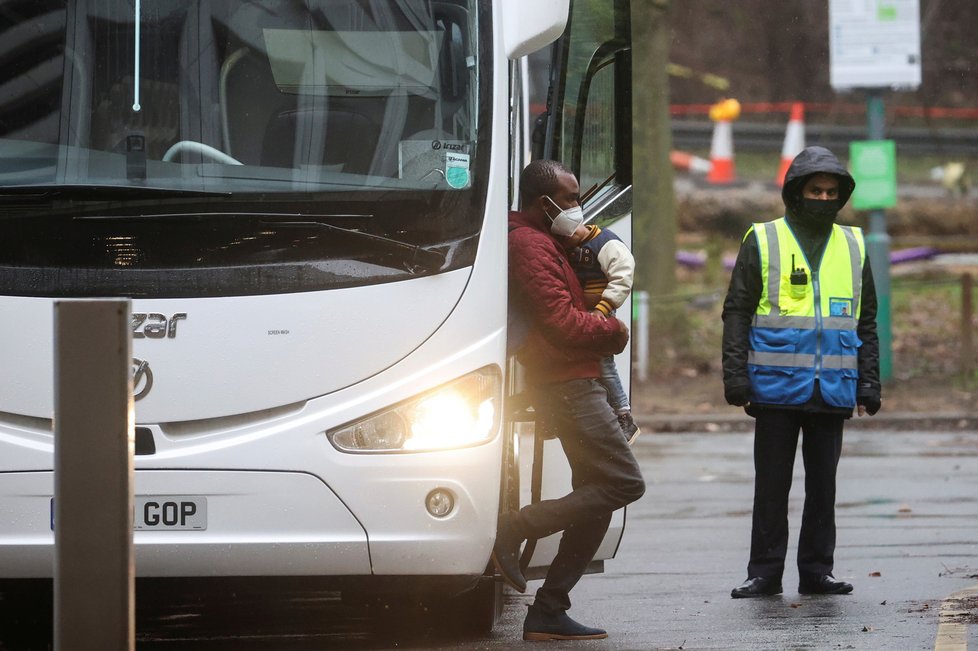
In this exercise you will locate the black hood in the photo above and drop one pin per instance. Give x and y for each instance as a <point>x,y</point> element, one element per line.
<point>814,160</point>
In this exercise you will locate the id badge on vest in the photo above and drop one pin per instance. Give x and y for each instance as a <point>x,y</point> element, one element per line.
<point>840,306</point>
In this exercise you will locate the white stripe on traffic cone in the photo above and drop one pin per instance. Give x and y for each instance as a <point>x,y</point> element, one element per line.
<point>686,162</point>
<point>794,140</point>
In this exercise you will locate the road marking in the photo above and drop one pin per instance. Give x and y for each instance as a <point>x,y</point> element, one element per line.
<point>952,633</point>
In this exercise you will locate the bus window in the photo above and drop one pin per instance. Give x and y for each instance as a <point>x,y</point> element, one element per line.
<point>244,95</point>
<point>592,131</point>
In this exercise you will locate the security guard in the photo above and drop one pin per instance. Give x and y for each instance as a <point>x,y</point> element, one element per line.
<point>800,352</point>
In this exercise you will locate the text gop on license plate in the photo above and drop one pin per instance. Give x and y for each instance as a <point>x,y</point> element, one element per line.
<point>170,512</point>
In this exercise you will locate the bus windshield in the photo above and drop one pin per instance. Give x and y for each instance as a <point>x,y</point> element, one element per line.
<point>365,115</point>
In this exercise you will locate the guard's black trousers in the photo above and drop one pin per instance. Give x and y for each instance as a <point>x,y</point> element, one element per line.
<point>775,441</point>
<point>604,477</point>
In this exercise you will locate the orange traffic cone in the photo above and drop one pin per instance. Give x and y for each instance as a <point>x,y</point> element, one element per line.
<point>794,140</point>
<point>721,148</point>
<point>721,153</point>
<point>686,162</point>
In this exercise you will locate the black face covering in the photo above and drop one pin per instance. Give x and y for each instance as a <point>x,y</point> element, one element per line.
<point>818,213</point>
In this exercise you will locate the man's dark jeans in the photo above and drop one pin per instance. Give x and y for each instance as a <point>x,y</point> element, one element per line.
<point>775,442</point>
<point>605,477</point>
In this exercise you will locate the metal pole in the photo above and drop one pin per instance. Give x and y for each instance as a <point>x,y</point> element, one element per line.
<point>93,476</point>
<point>967,313</point>
<point>642,337</point>
<point>878,247</point>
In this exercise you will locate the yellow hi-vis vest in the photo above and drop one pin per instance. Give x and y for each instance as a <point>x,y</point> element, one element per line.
<point>805,325</point>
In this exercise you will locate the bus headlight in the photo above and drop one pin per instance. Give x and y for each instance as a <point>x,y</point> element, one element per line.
<point>460,413</point>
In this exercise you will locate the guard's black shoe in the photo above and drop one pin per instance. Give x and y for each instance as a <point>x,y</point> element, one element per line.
<point>628,427</point>
<point>756,586</point>
<point>506,551</point>
<point>540,626</point>
<point>825,584</point>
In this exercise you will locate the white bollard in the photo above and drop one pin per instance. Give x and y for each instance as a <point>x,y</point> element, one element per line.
<point>94,604</point>
<point>642,326</point>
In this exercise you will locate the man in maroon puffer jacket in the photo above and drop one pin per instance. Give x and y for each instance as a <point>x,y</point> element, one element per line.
<point>562,352</point>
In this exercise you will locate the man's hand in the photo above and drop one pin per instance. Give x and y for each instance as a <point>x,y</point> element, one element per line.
<point>868,406</point>
<point>622,328</point>
<point>868,400</point>
<point>738,396</point>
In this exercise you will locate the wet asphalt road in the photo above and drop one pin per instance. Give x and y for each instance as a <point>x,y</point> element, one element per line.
<point>907,539</point>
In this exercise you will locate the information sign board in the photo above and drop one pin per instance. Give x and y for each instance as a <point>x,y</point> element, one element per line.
<point>874,44</point>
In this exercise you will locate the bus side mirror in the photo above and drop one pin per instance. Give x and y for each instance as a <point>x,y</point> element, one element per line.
<point>529,26</point>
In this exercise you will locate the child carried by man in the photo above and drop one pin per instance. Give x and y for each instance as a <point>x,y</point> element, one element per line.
<point>606,268</point>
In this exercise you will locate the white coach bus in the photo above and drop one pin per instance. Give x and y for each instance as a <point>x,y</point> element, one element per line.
<point>306,201</point>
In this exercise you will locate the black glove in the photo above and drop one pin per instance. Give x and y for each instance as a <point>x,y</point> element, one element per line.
<point>737,395</point>
<point>869,397</point>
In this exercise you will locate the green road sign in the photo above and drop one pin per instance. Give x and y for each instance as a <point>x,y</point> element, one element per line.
<point>873,165</point>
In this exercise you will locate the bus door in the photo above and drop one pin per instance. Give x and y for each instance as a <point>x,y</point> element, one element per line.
<point>587,126</point>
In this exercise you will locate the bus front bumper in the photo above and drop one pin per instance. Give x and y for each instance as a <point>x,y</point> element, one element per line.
<point>197,523</point>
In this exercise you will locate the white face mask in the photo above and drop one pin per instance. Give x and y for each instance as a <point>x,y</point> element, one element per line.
<point>565,223</point>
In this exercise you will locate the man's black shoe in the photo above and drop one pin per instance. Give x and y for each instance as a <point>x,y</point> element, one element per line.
<point>539,626</point>
<point>825,584</point>
<point>757,586</point>
<point>506,551</point>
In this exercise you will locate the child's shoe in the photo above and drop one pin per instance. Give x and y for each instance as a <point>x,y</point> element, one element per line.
<point>628,427</point>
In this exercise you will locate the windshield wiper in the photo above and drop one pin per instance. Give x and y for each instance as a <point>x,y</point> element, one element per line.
<point>417,260</point>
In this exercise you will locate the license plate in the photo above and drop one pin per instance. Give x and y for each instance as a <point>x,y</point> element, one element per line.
<point>165,513</point>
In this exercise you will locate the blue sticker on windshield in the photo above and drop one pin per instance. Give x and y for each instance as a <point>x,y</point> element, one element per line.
<point>457,170</point>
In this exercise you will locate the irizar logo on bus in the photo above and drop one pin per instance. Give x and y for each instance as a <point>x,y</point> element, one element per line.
<point>449,146</point>
<point>155,325</point>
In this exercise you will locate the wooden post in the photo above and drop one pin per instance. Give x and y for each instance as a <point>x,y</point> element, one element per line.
<point>93,476</point>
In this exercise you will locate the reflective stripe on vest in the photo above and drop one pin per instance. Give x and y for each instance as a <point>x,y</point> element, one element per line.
<point>804,332</point>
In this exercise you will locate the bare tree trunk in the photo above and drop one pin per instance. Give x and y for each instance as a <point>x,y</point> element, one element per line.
<point>654,217</point>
